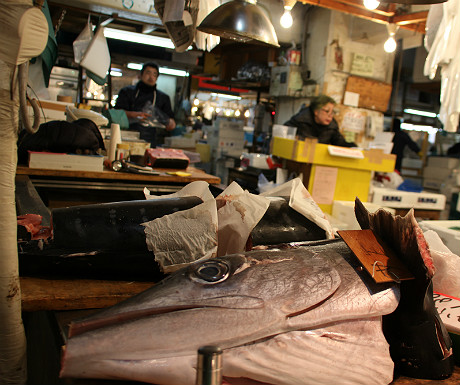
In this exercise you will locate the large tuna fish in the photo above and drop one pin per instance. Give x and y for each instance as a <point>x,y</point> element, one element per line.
<point>292,316</point>
<point>303,314</point>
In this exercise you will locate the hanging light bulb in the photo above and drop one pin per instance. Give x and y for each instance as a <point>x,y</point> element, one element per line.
<point>286,19</point>
<point>390,44</point>
<point>371,4</point>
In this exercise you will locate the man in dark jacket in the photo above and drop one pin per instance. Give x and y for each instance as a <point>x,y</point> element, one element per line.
<point>317,121</point>
<point>401,139</point>
<point>146,107</point>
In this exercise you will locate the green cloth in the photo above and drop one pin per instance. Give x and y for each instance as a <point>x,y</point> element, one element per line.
<point>95,78</point>
<point>50,53</point>
<point>118,117</point>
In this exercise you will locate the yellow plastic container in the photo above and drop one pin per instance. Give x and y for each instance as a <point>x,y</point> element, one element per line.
<point>353,175</point>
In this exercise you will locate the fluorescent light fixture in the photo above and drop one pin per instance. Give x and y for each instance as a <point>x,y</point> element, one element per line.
<point>420,113</point>
<point>135,66</point>
<point>429,129</point>
<point>140,38</point>
<point>115,72</point>
<point>225,96</point>
<point>173,72</point>
<point>163,70</point>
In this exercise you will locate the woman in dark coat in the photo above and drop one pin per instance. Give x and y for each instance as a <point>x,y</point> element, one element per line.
<point>317,121</point>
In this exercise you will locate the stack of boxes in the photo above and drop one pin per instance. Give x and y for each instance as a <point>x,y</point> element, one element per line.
<point>441,171</point>
<point>442,174</point>
<point>226,140</point>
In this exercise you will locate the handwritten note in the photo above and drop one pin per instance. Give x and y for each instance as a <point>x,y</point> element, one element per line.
<point>353,121</point>
<point>449,311</point>
<point>362,65</point>
<point>324,184</point>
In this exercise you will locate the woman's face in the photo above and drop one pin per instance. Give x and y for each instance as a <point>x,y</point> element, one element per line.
<point>325,114</point>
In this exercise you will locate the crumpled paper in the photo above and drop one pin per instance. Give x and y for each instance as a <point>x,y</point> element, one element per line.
<point>218,226</point>
<point>238,213</point>
<point>301,201</point>
<point>183,237</point>
<point>181,18</point>
<point>198,189</point>
<point>222,225</point>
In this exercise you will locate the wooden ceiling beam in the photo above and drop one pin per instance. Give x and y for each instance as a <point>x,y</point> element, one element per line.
<point>383,9</point>
<point>349,9</point>
<point>411,21</point>
<point>410,18</point>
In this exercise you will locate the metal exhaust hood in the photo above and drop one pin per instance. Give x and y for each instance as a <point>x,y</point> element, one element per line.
<point>240,20</point>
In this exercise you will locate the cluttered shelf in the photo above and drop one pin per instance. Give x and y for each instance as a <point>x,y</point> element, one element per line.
<point>59,188</point>
<point>188,175</point>
<point>244,84</point>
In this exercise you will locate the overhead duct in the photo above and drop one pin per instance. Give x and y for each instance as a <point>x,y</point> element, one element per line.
<point>240,20</point>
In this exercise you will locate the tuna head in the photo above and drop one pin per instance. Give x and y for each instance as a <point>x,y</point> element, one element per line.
<point>228,301</point>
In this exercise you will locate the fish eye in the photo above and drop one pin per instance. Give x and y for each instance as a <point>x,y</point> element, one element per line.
<point>212,272</point>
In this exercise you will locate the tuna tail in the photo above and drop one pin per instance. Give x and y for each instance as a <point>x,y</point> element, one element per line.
<point>420,345</point>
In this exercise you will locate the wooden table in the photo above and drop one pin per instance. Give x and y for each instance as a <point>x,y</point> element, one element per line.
<point>60,188</point>
<point>39,294</point>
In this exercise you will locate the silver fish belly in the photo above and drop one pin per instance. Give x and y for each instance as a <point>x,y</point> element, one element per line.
<point>296,316</point>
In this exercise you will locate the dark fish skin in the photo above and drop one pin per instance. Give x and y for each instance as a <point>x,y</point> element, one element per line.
<point>107,241</point>
<point>420,345</point>
<point>111,226</point>
<point>282,224</point>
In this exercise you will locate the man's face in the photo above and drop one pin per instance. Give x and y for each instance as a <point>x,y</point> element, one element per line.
<point>325,114</point>
<point>150,76</point>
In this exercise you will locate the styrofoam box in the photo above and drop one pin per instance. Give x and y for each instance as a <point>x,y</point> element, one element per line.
<point>432,184</point>
<point>344,212</point>
<point>443,161</point>
<point>439,173</point>
<point>449,236</point>
<point>405,199</point>
<point>411,163</point>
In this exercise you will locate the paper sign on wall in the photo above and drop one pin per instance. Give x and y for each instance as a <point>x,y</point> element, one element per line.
<point>353,121</point>
<point>362,65</point>
<point>324,184</point>
<point>351,99</point>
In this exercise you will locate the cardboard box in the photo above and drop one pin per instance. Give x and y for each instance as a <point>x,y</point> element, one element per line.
<point>405,199</point>
<point>350,170</point>
<point>309,151</point>
<point>443,161</point>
